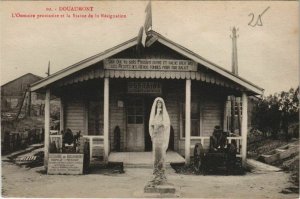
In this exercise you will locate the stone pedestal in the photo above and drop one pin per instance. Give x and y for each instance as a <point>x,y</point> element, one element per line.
<point>162,188</point>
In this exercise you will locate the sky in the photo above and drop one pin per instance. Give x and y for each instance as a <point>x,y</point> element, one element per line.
<point>268,52</point>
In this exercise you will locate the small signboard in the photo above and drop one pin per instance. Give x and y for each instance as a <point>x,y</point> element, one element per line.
<point>65,163</point>
<point>150,65</point>
<point>144,87</point>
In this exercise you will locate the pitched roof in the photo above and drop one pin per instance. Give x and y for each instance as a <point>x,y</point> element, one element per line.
<point>39,77</point>
<point>132,42</point>
<point>197,58</point>
<point>83,64</point>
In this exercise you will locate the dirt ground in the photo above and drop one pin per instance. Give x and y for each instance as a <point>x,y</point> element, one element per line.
<point>32,182</point>
<point>289,164</point>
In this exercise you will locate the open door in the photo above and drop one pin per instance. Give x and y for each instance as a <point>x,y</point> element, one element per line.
<point>135,124</point>
<point>148,106</point>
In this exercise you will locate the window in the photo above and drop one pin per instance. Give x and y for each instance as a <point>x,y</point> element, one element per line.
<point>195,119</point>
<point>135,113</point>
<point>237,102</point>
<point>12,102</point>
<point>95,118</point>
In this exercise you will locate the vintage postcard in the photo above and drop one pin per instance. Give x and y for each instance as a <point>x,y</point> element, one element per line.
<point>139,99</point>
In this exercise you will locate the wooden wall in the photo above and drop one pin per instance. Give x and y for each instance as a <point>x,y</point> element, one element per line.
<point>212,114</point>
<point>117,114</point>
<point>76,100</point>
<point>12,93</point>
<point>75,115</point>
<point>173,96</point>
<point>211,102</point>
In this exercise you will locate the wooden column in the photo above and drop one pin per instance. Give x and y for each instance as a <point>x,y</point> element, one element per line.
<point>47,127</point>
<point>86,118</point>
<point>187,121</point>
<point>238,102</point>
<point>244,127</point>
<point>61,115</point>
<point>225,115</point>
<point>232,125</point>
<point>106,119</point>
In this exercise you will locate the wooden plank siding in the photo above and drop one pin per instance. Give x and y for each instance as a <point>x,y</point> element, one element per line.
<point>75,116</point>
<point>211,104</point>
<point>212,113</point>
<point>116,118</point>
<point>117,115</point>
<point>173,94</point>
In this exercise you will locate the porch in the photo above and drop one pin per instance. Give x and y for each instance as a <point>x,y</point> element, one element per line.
<point>142,159</point>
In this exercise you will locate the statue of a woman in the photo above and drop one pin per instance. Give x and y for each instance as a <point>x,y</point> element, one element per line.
<point>159,129</point>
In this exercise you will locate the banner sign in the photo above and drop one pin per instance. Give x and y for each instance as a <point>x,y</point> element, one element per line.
<point>59,163</point>
<point>144,87</point>
<point>150,64</point>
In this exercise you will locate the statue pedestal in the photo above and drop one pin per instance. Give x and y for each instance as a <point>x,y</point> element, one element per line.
<point>163,188</point>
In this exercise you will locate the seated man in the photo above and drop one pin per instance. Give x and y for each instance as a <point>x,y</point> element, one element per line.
<point>68,137</point>
<point>68,142</point>
<point>217,140</point>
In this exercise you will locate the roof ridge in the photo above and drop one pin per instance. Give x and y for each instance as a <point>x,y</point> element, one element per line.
<point>204,59</point>
<point>21,77</point>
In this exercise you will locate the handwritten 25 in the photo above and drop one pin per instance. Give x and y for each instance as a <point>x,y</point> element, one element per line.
<point>258,21</point>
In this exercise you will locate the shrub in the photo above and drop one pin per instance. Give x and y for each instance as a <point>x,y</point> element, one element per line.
<point>275,113</point>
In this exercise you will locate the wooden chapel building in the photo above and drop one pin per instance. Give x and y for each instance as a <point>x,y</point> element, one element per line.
<point>110,95</point>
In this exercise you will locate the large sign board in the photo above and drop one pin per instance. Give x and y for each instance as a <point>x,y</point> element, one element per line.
<point>150,64</point>
<point>65,163</point>
<point>144,87</point>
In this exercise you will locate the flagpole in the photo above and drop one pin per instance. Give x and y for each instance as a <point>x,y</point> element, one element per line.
<point>148,21</point>
<point>151,14</point>
<point>48,71</point>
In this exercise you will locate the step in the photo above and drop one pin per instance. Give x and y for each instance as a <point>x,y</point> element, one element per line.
<point>145,166</point>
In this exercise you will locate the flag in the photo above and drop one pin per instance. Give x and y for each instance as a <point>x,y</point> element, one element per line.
<point>148,20</point>
<point>140,43</point>
<point>144,37</point>
<point>148,23</point>
<point>140,35</point>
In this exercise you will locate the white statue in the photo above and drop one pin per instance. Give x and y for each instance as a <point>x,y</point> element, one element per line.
<point>159,129</point>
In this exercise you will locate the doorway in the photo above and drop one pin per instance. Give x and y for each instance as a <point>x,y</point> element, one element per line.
<point>138,114</point>
<point>148,105</point>
<point>135,124</point>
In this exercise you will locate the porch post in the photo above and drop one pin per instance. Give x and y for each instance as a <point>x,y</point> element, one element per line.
<point>244,127</point>
<point>187,120</point>
<point>47,127</point>
<point>61,115</point>
<point>106,119</point>
<point>225,115</point>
